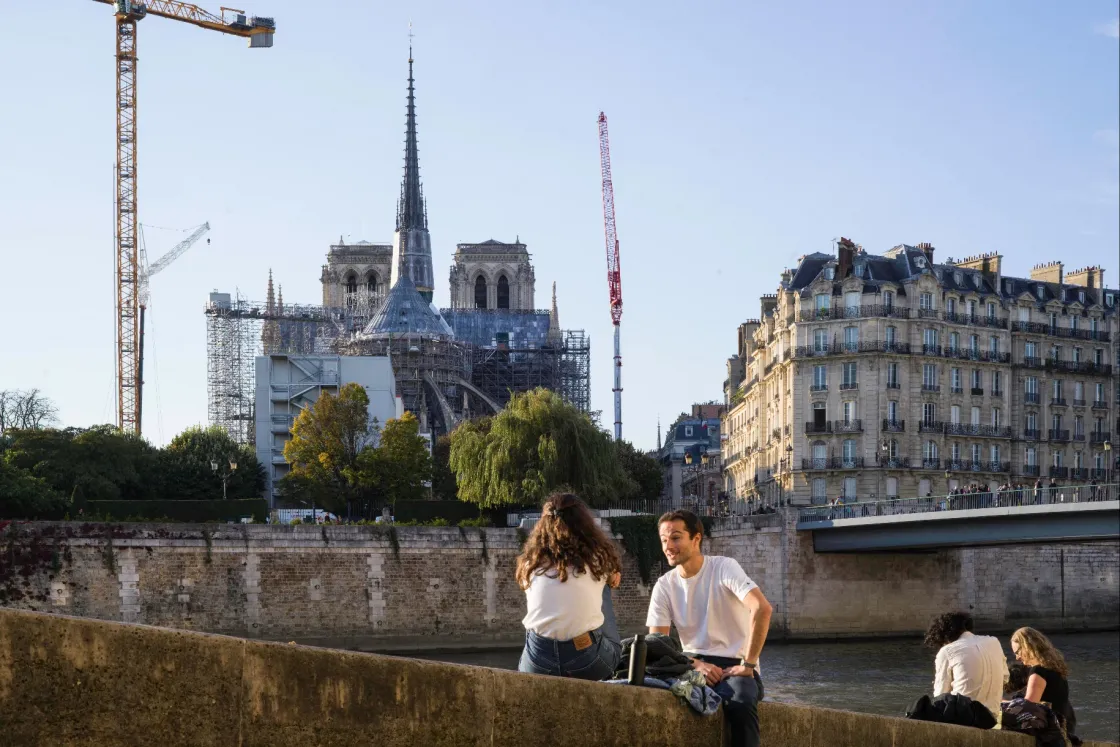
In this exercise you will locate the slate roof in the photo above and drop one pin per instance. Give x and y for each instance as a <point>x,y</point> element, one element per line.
<point>406,312</point>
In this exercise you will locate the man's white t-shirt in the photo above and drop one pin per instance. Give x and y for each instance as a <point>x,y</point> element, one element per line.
<point>707,608</point>
<point>562,610</point>
<point>974,666</point>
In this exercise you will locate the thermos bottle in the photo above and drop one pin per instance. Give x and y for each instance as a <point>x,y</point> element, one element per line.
<point>638,660</point>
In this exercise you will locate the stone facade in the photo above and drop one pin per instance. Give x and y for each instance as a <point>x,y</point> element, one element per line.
<point>892,376</point>
<point>415,587</point>
<point>357,276</point>
<point>492,275</point>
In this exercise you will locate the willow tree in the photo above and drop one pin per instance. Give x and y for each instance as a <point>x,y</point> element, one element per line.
<point>536,445</point>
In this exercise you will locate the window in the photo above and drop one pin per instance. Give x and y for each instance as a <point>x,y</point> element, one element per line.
<point>1077,355</point>
<point>371,283</point>
<point>929,451</point>
<point>892,333</point>
<point>820,340</point>
<point>892,411</point>
<point>925,301</point>
<point>1057,457</point>
<point>888,299</point>
<point>1030,350</point>
<point>972,308</point>
<point>975,416</point>
<point>974,343</point>
<point>824,301</point>
<point>929,375</point>
<point>997,382</point>
<point>993,454</point>
<point>975,452</point>
<point>977,379</point>
<point>958,278</point>
<point>1032,456</point>
<point>892,375</point>
<point>954,341</point>
<point>929,337</point>
<point>1098,461</point>
<point>351,283</point>
<point>1094,325</point>
<point>1024,314</point>
<point>820,377</point>
<point>1074,322</point>
<point>1079,426</point>
<point>1078,391</point>
<point>1032,421</point>
<point>819,413</point>
<point>955,414</point>
<point>1098,357</point>
<point>1053,320</point>
<point>892,487</point>
<point>997,415</point>
<point>1056,422</point>
<point>993,345</point>
<point>849,410</point>
<point>1098,425</point>
<point>1031,384</point>
<point>480,292</point>
<point>951,306</point>
<point>820,494</point>
<point>1077,459</point>
<point>1057,388</point>
<point>1039,291</point>
<point>850,489</point>
<point>1056,352</point>
<point>851,303</point>
<point>1099,393</point>
<point>851,338</point>
<point>929,412</point>
<point>849,451</point>
<point>688,431</point>
<point>991,310</point>
<point>956,382</point>
<point>503,292</point>
<point>849,374</point>
<point>955,451</point>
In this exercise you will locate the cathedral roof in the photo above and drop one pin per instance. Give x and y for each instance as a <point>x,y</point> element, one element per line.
<point>491,246</point>
<point>406,312</point>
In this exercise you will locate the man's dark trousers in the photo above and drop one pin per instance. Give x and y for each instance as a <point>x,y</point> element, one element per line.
<point>740,702</point>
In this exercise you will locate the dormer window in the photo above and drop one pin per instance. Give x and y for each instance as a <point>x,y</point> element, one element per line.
<point>1109,299</point>
<point>859,271</point>
<point>958,278</point>
<point>976,280</point>
<point>1039,291</point>
<point>1081,296</point>
<point>829,273</point>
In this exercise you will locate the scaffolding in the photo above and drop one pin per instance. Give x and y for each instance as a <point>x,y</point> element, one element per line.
<point>427,367</point>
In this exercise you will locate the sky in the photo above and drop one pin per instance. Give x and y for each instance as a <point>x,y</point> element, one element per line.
<point>743,135</point>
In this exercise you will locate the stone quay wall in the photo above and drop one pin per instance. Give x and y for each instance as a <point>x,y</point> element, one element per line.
<point>66,680</point>
<point>369,587</point>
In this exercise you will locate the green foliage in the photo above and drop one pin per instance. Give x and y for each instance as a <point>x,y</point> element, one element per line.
<point>398,468</point>
<point>23,496</point>
<point>536,445</point>
<point>194,511</point>
<point>481,521</point>
<point>643,469</point>
<point>640,539</point>
<point>444,487</point>
<point>189,463</point>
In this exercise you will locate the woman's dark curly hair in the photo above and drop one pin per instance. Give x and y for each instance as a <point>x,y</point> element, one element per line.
<point>948,628</point>
<point>567,537</point>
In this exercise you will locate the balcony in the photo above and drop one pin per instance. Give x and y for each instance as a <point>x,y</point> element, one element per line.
<point>928,314</point>
<point>1031,435</point>
<point>931,349</point>
<point>1079,473</point>
<point>892,385</point>
<point>896,462</point>
<point>931,463</point>
<point>1030,470</point>
<point>1040,328</point>
<point>975,320</point>
<point>961,465</point>
<point>1058,435</point>
<point>1100,437</point>
<point>819,463</point>
<point>997,392</point>
<point>1058,402</point>
<point>971,429</point>
<point>974,354</point>
<point>1032,362</point>
<point>1078,402</point>
<point>819,388</point>
<point>1084,367</point>
<point>1100,404</point>
<point>931,426</point>
<point>956,390</point>
<point>977,391</point>
<point>931,387</point>
<point>848,385</point>
<point>1032,398</point>
<point>851,348</point>
<point>847,426</point>
<point>894,426</point>
<point>825,427</point>
<point>1098,473</point>
<point>1058,472</point>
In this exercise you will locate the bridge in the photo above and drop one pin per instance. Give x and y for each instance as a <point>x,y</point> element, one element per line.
<point>1052,514</point>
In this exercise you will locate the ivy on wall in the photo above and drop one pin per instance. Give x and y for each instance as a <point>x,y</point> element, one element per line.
<point>639,538</point>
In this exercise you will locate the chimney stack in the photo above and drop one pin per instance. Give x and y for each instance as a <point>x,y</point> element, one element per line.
<point>846,249</point>
<point>927,248</point>
<point>1048,272</point>
<point>1087,277</point>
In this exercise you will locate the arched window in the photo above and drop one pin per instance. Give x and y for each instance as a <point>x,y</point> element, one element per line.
<point>351,282</point>
<point>503,292</point>
<point>371,283</point>
<point>480,292</point>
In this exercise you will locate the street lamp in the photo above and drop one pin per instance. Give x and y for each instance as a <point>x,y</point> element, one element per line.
<point>224,475</point>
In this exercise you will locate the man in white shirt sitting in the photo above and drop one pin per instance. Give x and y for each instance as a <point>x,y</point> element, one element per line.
<point>966,664</point>
<point>721,616</point>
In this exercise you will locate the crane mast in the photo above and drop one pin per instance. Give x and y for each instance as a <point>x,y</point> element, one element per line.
<point>128,13</point>
<point>614,271</point>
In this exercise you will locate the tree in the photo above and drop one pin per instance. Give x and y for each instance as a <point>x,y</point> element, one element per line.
<point>23,496</point>
<point>323,450</point>
<point>400,467</point>
<point>642,468</point>
<point>444,487</point>
<point>25,410</point>
<point>536,445</point>
<point>187,465</point>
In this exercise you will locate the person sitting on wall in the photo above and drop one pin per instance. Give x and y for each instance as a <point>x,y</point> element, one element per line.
<point>1047,680</point>
<point>967,664</point>
<point>722,618</point>
<point>567,570</point>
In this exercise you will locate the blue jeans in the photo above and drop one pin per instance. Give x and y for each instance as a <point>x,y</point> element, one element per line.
<point>561,659</point>
<point>740,702</point>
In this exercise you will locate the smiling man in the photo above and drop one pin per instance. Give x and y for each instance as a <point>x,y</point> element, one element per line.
<point>721,615</point>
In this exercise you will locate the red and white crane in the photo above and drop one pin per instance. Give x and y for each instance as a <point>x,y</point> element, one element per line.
<point>614,271</point>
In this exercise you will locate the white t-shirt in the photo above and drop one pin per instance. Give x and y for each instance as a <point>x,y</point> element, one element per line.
<point>707,609</point>
<point>561,610</point>
<point>974,666</point>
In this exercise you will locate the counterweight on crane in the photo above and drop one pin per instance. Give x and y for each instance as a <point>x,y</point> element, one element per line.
<point>128,13</point>
<point>614,270</point>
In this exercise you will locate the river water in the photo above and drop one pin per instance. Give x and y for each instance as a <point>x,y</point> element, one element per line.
<point>886,677</point>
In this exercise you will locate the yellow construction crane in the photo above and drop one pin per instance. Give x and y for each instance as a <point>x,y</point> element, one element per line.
<point>128,13</point>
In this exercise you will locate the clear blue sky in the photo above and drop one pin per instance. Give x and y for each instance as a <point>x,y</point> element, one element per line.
<point>743,136</point>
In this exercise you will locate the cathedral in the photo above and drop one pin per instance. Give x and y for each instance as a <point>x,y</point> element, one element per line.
<point>450,364</point>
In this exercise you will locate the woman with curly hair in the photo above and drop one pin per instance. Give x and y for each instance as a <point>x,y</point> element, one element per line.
<point>1048,681</point>
<point>567,570</point>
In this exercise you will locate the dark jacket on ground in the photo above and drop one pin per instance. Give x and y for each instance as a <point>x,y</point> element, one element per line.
<point>952,709</point>
<point>664,659</point>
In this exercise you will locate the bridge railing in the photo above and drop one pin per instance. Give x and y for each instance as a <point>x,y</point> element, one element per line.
<point>1006,498</point>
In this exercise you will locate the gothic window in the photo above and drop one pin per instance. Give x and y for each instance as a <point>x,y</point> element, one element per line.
<point>371,283</point>
<point>480,292</point>
<point>503,292</point>
<point>351,283</point>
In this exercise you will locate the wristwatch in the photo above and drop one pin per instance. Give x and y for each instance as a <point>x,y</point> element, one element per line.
<point>752,665</point>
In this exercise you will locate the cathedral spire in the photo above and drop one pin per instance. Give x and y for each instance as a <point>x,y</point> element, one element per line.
<point>659,433</point>
<point>411,211</point>
<point>270,302</point>
<point>554,318</point>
